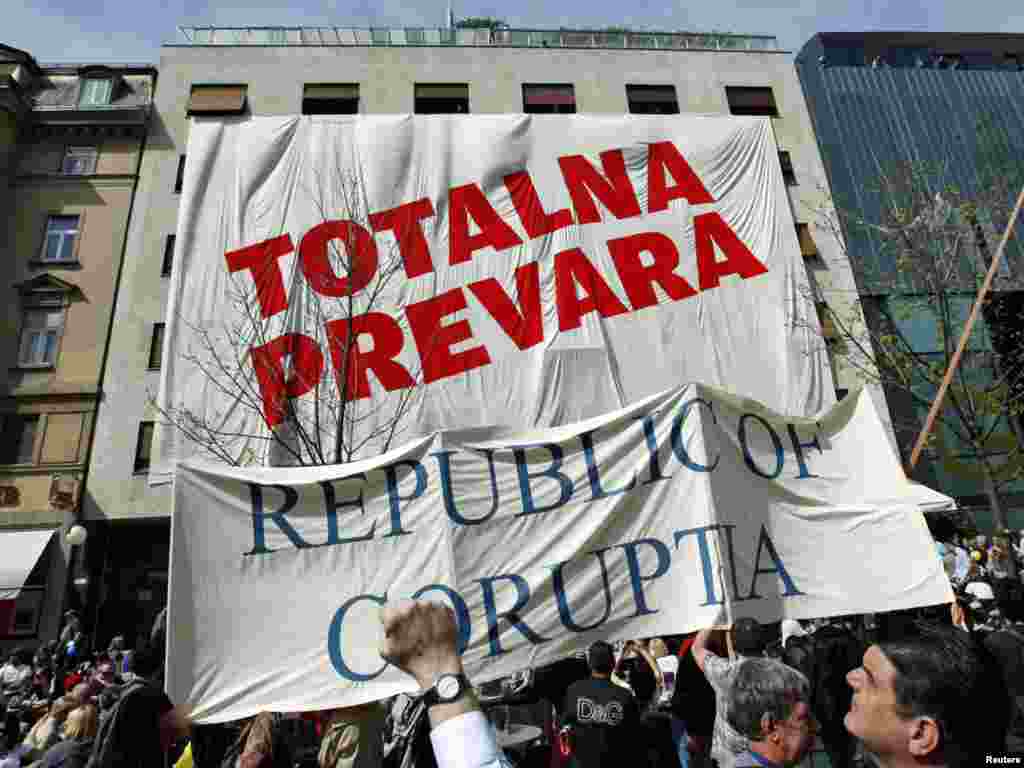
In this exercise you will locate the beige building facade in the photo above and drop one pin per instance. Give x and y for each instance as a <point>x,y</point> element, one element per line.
<point>73,160</point>
<point>318,71</point>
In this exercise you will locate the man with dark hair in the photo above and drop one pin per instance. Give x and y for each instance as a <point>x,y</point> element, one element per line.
<point>603,716</point>
<point>769,703</point>
<point>936,699</point>
<point>747,641</point>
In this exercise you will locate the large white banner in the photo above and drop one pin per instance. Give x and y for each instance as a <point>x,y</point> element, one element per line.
<point>689,508</point>
<point>524,271</point>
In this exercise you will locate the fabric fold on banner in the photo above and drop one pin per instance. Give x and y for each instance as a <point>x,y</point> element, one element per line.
<point>688,508</point>
<point>513,270</point>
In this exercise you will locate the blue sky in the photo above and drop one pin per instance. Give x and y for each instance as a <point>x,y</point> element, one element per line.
<point>133,30</point>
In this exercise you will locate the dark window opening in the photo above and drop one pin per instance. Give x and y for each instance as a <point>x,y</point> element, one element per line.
<point>180,178</point>
<point>331,99</point>
<point>752,101</point>
<point>652,100</point>
<point>549,99</point>
<point>165,269</point>
<point>156,347</point>
<point>330,106</point>
<point>787,168</point>
<point>441,100</point>
<point>841,394</point>
<point>18,439</point>
<point>144,446</point>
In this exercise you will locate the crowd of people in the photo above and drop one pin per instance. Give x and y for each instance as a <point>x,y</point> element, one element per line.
<point>940,686</point>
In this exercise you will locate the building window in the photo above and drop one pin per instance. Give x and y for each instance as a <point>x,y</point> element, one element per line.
<point>756,101</point>
<point>95,92</point>
<point>61,240</point>
<point>325,99</point>
<point>549,99</point>
<point>652,99</point>
<point>788,174</point>
<point>808,248</point>
<point>144,446</point>
<point>79,161</point>
<point>156,347</point>
<point>180,178</point>
<point>165,269</point>
<point>216,100</point>
<point>437,99</point>
<point>18,439</point>
<point>40,335</point>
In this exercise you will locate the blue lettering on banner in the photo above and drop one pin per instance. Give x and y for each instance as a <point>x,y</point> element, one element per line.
<point>765,542</point>
<point>490,608</point>
<point>636,579</point>
<point>526,493</point>
<point>798,449</point>
<point>444,466</point>
<point>558,583</point>
<point>394,500</point>
<point>677,437</point>
<point>596,491</point>
<point>749,458</point>
<point>331,506</point>
<point>334,640</point>
<point>291,498</point>
<point>522,594</point>
<point>705,559</point>
<point>652,448</point>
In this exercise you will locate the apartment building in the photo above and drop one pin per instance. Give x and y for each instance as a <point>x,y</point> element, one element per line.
<point>71,141</point>
<point>284,71</point>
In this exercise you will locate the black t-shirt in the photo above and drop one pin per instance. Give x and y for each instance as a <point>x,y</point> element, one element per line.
<point>638,673</point>
<point>693,700</point>
<point>605,719</point>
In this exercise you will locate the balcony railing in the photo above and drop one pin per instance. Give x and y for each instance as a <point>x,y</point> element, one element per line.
<point>509,38</point>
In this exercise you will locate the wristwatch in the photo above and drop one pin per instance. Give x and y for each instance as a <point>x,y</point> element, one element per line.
<point>446,689</point>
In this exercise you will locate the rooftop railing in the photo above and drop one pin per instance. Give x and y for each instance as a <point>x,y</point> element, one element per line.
<point>512,38</point>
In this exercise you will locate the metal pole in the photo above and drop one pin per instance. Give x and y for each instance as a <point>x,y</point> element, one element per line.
<point>968,327</point>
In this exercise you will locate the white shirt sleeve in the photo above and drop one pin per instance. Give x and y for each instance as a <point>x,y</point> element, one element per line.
<point>467,741</point>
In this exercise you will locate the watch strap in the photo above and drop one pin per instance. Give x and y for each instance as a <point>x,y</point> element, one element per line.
<point>431,696</point>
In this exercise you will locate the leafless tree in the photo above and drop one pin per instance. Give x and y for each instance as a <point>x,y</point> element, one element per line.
<point>330,423</point>
<point>934,243</point>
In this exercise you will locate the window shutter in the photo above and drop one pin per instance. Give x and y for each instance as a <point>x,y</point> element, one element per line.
<point>217,100</point>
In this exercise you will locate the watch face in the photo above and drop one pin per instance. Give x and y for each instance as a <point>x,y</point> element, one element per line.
<point>448,687</point>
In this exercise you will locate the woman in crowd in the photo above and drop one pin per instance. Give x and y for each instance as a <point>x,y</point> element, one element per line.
<point>48,730</point>
<point>79,732</point>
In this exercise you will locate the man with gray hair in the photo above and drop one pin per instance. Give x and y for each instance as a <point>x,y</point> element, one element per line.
<point>768,704</point>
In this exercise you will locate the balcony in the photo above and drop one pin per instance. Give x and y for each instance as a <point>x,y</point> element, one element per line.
<point>502,38</point>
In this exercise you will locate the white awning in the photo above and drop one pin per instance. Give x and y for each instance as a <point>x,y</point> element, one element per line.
<point>19,552</point>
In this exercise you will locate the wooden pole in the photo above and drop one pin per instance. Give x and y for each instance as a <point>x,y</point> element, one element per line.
<point>968,327</point>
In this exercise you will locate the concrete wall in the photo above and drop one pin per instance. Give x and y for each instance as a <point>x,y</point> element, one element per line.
<point>386,77</point>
